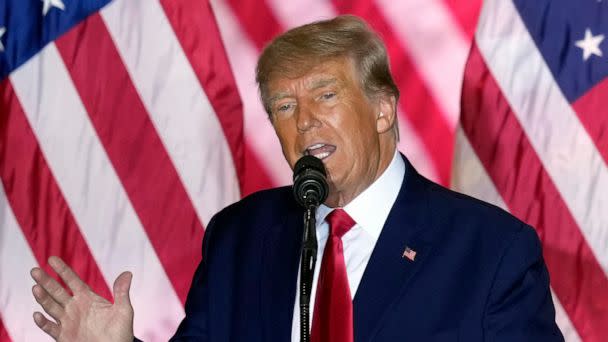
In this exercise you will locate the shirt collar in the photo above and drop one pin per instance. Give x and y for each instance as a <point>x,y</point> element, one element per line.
<point>371,207</point>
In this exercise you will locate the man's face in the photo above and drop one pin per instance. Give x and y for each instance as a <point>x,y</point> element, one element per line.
<point>325,113</point>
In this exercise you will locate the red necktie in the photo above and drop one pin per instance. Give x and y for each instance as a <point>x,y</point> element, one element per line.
<point>333,315</point>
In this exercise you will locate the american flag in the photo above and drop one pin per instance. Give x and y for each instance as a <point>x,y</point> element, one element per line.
<point>122,132</point>
<point>409,253</point>
<point>533,139</point>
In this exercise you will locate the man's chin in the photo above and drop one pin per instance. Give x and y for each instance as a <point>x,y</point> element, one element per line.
<point>333,198</point>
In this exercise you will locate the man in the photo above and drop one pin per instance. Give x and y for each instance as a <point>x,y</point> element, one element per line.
<point>401,258</point>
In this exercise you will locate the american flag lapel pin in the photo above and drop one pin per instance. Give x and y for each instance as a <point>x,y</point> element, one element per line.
<point>409,253</point>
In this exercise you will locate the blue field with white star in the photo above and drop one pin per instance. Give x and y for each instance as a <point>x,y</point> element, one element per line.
<point>571,36</point>
<point>27,26</point>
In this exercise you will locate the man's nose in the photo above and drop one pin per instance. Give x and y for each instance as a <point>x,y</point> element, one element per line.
<point>306,118</point>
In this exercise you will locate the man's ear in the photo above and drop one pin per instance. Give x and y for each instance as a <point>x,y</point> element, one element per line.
<point>385,117</point>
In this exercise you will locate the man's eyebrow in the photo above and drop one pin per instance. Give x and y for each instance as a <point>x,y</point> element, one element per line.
<point>277,97</point>
<point>316,84</point>
<point>320,83</point>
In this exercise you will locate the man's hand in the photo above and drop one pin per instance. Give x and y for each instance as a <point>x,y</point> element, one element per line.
<point>84,316</point>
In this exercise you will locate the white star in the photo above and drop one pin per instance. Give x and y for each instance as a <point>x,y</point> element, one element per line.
<point>590,44</point>
<point>47,4</point>
<point>2,31</point>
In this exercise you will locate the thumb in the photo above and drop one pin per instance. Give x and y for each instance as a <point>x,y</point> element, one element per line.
<point>122,285</point>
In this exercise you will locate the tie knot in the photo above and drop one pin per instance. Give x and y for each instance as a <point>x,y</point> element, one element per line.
<point>339,222</point>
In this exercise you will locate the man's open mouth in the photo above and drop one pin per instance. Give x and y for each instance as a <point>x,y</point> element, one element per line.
<point>320,150</point>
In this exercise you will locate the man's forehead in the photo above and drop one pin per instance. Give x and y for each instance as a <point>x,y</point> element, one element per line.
<point>322,81</point>
<point>324,74</point>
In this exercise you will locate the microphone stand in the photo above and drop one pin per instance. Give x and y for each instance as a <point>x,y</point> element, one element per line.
<point>307,268</point>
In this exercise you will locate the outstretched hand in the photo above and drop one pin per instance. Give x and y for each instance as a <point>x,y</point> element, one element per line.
<point>83,316</point>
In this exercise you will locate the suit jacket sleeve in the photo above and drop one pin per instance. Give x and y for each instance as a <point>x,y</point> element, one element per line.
<point>520,307</point>
<point>194,327</point>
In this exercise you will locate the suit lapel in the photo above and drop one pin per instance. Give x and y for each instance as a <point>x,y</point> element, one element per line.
<point>388,272</point>
<point>280,261</point>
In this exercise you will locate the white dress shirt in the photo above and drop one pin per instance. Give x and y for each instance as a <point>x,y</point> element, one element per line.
<point>369,210</point>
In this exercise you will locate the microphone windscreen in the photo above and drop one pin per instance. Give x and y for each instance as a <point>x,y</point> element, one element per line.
<point>309,181</point>
<point>309,162</point>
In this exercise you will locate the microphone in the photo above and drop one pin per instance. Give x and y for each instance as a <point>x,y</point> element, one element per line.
<point>309,183</point>
<point>310,189</point>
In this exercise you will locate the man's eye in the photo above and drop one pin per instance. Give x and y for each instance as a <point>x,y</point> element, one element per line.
<point>328,96</point>
<point>284,107</point>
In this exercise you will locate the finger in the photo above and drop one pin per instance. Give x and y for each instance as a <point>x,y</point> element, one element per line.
<point>47,302</point>
<point>49,327</point>
<point>69,277</point>
<point>52,287</point>
<point>122,285</point>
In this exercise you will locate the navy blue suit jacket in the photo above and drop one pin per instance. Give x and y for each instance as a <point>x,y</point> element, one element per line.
<point>478,274</point>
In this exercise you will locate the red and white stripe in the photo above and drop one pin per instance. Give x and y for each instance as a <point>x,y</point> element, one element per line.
<point>127,176</point>
<point>175,102</point>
